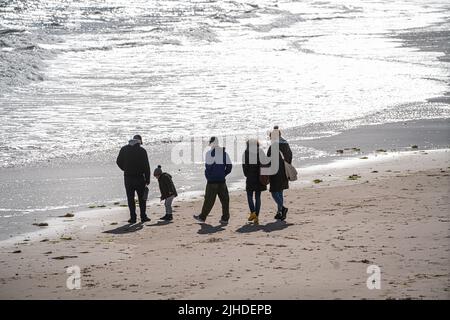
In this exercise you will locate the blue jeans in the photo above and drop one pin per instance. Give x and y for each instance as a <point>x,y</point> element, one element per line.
<point>168,205</point>
<point>254,206</point>
<point>278,197</point>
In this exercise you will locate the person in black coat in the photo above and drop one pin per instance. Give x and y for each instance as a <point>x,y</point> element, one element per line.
<point>133,161</point>
<point>279,180</point>
<point>168,191</point>
<point>251,166</point>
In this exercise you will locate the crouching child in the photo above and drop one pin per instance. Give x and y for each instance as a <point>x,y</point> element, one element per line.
<point>168,191</point>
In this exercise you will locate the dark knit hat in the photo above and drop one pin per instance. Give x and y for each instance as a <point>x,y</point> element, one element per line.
<point>138,137</point>
<point>158,171</point>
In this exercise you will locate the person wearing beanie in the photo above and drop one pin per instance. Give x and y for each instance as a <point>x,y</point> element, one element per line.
<point>217,167</point>
<point>133,161</point>
<point>157,172</point>
<point>279,181</point>
<point>167,189</point>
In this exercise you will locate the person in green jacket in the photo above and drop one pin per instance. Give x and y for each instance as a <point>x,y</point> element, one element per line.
<point>168,191</point>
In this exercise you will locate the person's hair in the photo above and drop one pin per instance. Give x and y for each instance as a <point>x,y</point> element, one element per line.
<point>247,143</point>
<point>213,141</point>
<point>277,129</point>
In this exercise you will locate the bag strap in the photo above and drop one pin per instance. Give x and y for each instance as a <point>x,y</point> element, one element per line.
<point>282,155</point>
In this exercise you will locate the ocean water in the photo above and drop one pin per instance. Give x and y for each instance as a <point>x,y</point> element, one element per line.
<point>82,75</point>
<point>78,78</point>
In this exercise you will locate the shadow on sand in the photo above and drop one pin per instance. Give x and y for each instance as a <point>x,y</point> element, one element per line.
<point>128,228</point>
<point>159,223</point>
<point>209,229</point>
<point>270,227</point>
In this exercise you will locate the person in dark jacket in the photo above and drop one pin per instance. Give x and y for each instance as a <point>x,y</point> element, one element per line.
<point>251,166</point>
<point>168,191</point>
<point>279,180</point>
<point>217,167</point>
<point>133,161</point>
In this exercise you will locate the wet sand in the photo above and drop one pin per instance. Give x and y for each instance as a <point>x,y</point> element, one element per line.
<point>394,215</point>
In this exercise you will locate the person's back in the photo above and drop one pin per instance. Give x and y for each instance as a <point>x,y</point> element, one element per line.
<point>251,166</point>
<point>133,160</point>
<point>285,149</point>
<point>218,165</point>
<point>166,186</point>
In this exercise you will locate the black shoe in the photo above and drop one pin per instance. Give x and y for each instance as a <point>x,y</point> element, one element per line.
<point>284,213</point>
<point>146,219</point>
<point>132,221</point>
<point>199,219</point>
<point>167,217</point>
<point>277,216</point>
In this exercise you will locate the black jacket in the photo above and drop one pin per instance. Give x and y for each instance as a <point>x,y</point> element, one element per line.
<point>279,181</point>
<point>166,186</point>
<point>133,161</point>
<point>252,170</point>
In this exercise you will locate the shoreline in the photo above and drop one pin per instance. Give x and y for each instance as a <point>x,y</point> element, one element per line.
<point>396,218</point>
<point>82,184</point>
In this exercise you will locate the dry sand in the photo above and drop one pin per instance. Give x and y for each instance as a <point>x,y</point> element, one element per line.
<point>397,218</point>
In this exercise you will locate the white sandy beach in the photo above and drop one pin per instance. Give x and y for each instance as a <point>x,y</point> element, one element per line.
<point>397,218</point>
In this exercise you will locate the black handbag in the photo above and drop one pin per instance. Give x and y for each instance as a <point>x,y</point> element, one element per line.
<point>263,179</point>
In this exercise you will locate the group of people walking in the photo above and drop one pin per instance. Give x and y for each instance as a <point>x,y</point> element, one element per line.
<point>257,166</point>
<point>279,181</point>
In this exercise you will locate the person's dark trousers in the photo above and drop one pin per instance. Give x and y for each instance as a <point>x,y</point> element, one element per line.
<point>256,205</point>
<point>278,197</point>
<point>132,185</point>
<point>213,190</point>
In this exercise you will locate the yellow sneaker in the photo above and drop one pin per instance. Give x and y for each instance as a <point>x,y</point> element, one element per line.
<point>256,220</point>
<point>252,217</point>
